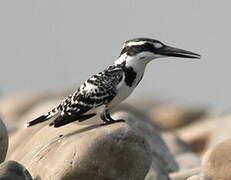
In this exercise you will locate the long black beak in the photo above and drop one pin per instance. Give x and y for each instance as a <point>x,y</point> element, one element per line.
<point>175,52</point>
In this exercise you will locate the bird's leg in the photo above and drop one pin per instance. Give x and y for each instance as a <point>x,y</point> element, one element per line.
<point>107,119</point>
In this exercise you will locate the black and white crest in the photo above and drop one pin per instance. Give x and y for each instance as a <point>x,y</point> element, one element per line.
<point>135,46</point>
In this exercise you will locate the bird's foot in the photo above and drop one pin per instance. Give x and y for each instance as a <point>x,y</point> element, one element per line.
<point>107,119</point>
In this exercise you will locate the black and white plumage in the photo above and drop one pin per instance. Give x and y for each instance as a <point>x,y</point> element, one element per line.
<point>103,91</point>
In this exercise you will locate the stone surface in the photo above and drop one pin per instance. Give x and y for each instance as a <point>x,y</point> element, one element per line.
<point>75,151</point>
<point>160,152</point>
<point>188,160</point>
<point>12,170</point>
<point>175,144</point>
<point>162,160</point>
<point>216,161</point>
<point>3,141</point>
<point>174,116</point>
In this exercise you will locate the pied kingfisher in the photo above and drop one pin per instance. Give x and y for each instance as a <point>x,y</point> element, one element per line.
<point>103,91</point>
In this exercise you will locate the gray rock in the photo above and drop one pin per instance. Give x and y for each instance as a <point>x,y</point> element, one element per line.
<point>160,151</point>
<point>175,144</point>
<point>11,170</point>
<point>93,152</point>
<point>188,160</point>
<point>3,141</point>
<point>162,160</point>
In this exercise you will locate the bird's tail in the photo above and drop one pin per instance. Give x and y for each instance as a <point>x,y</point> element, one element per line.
<point>37,120</point>
<point>62,120</point>
<point>43,118</point>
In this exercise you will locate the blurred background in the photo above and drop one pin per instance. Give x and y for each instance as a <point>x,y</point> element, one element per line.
<point>181,107</point>
<point>57,44</point>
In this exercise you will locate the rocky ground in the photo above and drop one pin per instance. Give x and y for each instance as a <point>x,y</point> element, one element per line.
<point>158,141</point>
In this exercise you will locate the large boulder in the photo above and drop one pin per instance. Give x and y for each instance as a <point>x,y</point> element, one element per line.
<point>137,121</point>
<point>95,152</point>
<point>162,163</point>
<point>12,170</point>
<point>3,141</point>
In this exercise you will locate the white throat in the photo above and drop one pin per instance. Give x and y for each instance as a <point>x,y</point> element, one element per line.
<point>138,62</point>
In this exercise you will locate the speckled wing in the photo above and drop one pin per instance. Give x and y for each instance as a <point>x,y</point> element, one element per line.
<point>99,89</point>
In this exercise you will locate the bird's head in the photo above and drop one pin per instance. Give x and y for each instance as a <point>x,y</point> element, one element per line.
<point>143,50</point>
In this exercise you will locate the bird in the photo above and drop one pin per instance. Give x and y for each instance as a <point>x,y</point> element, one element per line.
<point>103,91</point>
